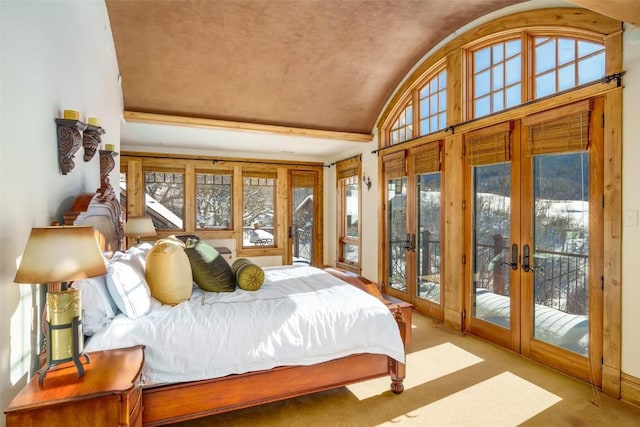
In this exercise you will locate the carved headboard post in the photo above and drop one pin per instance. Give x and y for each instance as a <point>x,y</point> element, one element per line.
<point>104,215</point>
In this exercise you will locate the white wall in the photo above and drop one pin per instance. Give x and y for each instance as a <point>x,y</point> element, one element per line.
<point>631,202</point>
<point>55,55</point>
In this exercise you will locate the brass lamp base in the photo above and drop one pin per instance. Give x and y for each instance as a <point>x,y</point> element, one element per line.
<point>63,331</point>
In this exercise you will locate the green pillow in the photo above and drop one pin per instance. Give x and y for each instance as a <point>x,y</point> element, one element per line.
<point>249,276</point>
<point>210,270</point>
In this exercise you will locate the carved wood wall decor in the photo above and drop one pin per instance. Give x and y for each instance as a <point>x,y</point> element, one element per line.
<point>91,141</point>
<point>69,142</point>
<point>107,163</point>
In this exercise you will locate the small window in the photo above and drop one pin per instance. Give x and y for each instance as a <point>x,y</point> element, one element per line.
<point>433,104</point>
<point>564,63</point>
<point>497,77</point>
<point>348,190</point>
<point>164,198</point>
<point>259,202</point>
<point>350,219</point>
<point>214,201</point>
<point>402,128</point>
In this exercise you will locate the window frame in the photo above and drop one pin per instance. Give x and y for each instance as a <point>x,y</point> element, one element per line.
<point>261,175</point>
<point>219,172</point>
<point>345,170</point>
<point>168,170</point>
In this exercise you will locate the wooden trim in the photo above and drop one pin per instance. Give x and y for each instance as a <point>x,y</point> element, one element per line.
<point>453,241</point>
<point>612,296</point>
<point>630,389</point>
<point>596,242</point>
<point>215,162</point>
<point>141,117</point>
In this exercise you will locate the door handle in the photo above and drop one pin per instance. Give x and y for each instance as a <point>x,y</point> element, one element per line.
<point>514,257</point>
<point>526,260</point>
<point>290,232</point>
<point>407,243</point>
<point>413,243</point>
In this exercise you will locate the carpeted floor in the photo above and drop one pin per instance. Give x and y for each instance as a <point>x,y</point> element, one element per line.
<point>452,380</point>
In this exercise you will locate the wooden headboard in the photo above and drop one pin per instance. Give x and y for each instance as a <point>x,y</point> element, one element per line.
<point>104,214</point>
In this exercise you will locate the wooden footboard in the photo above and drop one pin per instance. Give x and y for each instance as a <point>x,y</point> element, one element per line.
<point>166,404</point>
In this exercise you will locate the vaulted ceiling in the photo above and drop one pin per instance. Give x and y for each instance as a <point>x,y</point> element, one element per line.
<point>326,65</point>
<point>316,64</point>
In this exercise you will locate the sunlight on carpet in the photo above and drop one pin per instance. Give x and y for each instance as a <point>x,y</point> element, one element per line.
<point>442,360</point>
<point>504,400</point>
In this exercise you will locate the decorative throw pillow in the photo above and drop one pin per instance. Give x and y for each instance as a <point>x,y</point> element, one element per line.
<point>128,287</point>
<point>98,308</point>
<point>249,276</point>
<point>211,272</point>
<point>169,272</point>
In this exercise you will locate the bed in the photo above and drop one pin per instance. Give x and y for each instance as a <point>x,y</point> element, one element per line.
<point>366,340</point>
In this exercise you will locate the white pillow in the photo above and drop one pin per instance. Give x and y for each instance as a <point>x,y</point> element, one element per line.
<point>98,308</point>
<point>128,287</point>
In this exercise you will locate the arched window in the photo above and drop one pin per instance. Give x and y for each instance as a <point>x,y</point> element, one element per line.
<point>562,63</point>
<point>402,128</point>
<point>433,104</point>
<point>497,77</point>
<point>558,63</point>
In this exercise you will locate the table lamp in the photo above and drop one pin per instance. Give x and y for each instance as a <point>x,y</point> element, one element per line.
<point>54,255</point>
<point>139,226</point>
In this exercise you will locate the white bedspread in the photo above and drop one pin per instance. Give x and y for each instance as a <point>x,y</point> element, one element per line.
<point>300,316</point>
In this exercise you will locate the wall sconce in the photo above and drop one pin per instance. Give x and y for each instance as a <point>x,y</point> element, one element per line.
<point>91,138</point>
<point>54,255</point>
<point>367,181</point>
<point>69,139</point>
<point>107,163</point>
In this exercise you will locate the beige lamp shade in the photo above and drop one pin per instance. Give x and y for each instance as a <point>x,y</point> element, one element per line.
<point>60,254</point>
<point>139,226</point>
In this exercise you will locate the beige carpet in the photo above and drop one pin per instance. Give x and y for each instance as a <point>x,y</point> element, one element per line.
<point>452,380</point>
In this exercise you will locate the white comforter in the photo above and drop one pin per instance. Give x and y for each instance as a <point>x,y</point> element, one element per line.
<point>300,316</point>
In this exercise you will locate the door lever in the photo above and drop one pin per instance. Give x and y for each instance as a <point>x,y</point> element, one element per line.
<point>514,257</point>
<point>413,243</point>
<point>525,258</point>
<point>526,264</point>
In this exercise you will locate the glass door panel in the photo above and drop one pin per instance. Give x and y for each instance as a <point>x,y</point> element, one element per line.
<point>491,236</point>
<point>428,237</point>
<point>397,235</point>
<point>302,209</point>
<point>560,259</point>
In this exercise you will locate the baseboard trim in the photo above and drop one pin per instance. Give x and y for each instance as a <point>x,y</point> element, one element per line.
<point>630,389</point>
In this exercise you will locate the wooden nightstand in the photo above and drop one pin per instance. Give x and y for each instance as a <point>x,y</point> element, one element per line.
<point>109,393</point>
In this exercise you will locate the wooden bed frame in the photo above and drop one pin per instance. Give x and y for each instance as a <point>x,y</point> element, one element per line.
<point>171,403</point>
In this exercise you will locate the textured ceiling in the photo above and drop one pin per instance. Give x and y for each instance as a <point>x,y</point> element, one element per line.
<point>315,64</point>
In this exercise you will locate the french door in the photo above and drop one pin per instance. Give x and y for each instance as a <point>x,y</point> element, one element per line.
<point>413,227</point>
<point>303,230</point>
<point>534,221</point>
